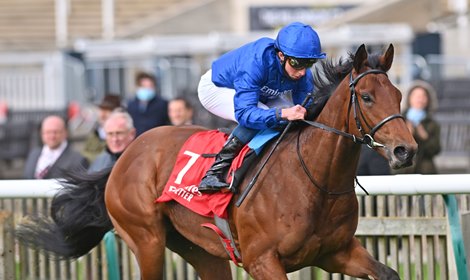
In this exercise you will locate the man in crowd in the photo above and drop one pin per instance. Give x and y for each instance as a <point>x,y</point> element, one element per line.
<point>180,111</point>
<point>95,141</point>
<point>147,109</point>
<point>55,155</point>
<point>120,132</point>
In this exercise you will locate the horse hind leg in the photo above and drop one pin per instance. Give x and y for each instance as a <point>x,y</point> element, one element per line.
<point>148,246</point>
<point>208,267</point>
<point>150,255</point>
<point>357,262</point>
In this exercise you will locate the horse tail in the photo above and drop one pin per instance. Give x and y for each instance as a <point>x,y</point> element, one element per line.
<point>78,221</point>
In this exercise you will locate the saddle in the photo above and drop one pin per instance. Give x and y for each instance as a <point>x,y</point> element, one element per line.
<point>193,160</point>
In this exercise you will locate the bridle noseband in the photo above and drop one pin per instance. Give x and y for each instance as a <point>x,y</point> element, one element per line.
<point>367,138</point>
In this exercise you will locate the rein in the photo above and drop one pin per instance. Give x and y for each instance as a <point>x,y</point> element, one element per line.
<point>310,176</point>
<point>366,139</point>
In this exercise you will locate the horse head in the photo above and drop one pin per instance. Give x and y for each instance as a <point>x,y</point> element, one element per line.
<point>375,107</point>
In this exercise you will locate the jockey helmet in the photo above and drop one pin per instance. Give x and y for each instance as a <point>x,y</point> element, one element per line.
<point>300,41</point>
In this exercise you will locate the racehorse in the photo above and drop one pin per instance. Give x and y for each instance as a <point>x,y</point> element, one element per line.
<point>303,210</point>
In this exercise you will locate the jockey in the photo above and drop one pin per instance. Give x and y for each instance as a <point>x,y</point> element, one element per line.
<point>259,85</point>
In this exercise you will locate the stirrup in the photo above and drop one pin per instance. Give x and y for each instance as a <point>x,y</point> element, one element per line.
<point>231,188</point>
<point>216,189</point>
<point>207,188</point>
<point>211,183</point>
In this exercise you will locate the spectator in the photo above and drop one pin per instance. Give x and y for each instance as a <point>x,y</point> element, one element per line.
<point>55,155</point>
<point>420,104</point>
<point>147,109</point>
<point>3,112</point>
<point>372,163</point>
<point>180,111</point>
<point>120,132</point>
<point>95,142</point>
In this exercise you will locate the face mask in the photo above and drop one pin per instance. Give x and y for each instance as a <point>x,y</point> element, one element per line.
<point>145,94</point>
<point>415,116</point>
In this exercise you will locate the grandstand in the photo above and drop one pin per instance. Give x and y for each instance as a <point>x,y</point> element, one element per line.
<point>27,24</point>
<point>36,24</point>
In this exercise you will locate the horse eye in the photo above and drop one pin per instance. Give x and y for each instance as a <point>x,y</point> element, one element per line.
<point>366,97</point>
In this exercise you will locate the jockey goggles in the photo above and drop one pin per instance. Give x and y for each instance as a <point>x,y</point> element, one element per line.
<point>301,63</point>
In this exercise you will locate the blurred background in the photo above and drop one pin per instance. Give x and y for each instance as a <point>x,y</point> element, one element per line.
<point>63,56</point>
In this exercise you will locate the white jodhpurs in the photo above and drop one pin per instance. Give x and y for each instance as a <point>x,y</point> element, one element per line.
<point>218,100</point>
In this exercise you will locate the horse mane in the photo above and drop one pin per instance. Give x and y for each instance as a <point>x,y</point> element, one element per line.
<point>329,75</point>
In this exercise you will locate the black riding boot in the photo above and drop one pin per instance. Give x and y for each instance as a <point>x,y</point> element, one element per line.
<point>215,178</point>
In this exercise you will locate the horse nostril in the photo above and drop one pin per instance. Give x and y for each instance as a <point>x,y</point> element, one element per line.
<point>402,153</point>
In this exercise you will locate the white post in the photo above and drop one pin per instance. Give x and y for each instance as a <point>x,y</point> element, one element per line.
<point>61,24</point>
<point>7,246</point>
<point>240,16</point>
<point>407,75</point>
<point>466,235</point>
<point>107,12</point>
<point>54,82</point>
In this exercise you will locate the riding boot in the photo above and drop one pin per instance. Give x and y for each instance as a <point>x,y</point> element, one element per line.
<point>215,178</point>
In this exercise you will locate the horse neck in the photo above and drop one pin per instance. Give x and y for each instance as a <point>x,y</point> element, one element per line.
<point>339,155</point>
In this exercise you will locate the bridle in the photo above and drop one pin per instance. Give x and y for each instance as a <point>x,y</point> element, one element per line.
<point>366,138</point>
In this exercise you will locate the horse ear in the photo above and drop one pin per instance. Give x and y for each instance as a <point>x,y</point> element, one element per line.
<point>359,57</point>
<point>387,59</point>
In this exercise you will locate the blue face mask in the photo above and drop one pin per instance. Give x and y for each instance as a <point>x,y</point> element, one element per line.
<point>415,116</point>
<point>145,94</point>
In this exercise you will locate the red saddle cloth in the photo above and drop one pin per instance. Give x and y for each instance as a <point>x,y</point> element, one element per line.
<point>189,169</point>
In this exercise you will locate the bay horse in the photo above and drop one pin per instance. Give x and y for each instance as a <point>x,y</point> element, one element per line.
<point>303,210</point>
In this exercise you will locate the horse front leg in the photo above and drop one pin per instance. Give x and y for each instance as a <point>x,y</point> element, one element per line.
<point>266,266</point>
<point>357,262</point>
